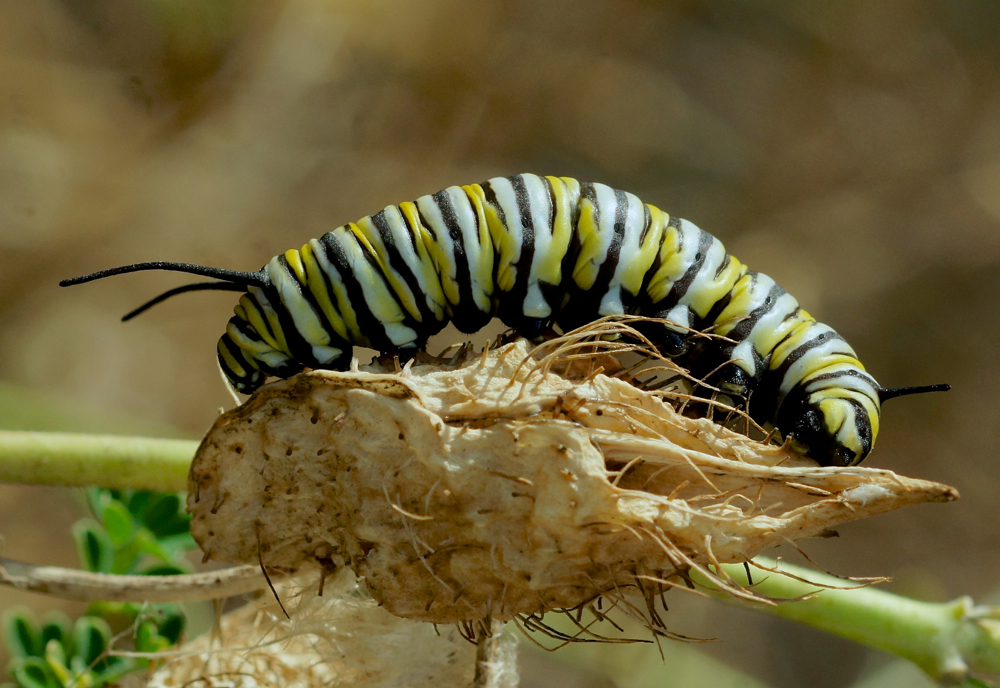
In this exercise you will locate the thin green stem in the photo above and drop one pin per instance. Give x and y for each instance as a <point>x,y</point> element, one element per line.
<point>56,458</point>
<point>950,640</point>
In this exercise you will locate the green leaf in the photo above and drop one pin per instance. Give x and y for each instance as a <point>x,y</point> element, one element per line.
<point>165,516</point>
<point>147,543</point>
<point>55,657</point>
<point>163,570</point>
<point>144,635</point>
<point>115,613</point>
<point>126,558</point>
<point>180,524</point>
<point>148,638</point>
<point>92,635</point>
<point>55,626</point>
<point>93,546</point>
<point>114,672</point>
<point>79,668</point>
<point>138,502</point>
<point>167,551</point>
<point>98,498</point>
<point>172,626</point>
<point>21,633</point>
<point>177,544</point>
<point>55,652</point>
<point>162,505</point>
<point>33,672</point>
<point>118,523</point>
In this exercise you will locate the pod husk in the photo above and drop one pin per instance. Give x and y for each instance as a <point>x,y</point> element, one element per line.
<point>509,483</point>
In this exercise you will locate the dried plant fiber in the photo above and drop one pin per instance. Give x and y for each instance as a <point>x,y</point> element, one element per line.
<point>336,640</point>
<point>506,484</point>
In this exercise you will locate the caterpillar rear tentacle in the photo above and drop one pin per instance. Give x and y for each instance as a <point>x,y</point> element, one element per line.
<point>545,252</point>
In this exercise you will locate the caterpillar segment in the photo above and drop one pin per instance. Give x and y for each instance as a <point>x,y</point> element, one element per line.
<point>544,253</point>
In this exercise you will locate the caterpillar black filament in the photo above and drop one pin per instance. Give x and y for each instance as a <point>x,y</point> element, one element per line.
<point>540,252</point>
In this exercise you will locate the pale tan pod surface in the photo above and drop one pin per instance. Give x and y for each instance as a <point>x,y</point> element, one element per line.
<point>487,488</point>
<point>340,639</point>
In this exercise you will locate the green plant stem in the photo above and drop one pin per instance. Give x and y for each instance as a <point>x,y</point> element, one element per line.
<point>950,641</point>
<point>56,458</point>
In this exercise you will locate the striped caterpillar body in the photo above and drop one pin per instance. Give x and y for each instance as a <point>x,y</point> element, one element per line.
<point>540,252</point>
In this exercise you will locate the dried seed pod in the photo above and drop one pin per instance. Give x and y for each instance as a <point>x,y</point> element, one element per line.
<point>507,484</point>
<point>338,640</point>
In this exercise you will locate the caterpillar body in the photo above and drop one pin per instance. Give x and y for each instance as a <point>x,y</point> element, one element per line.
<point>540,252</point>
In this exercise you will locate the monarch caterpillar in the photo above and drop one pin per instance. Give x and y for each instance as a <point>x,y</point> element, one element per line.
<point>537,252</point>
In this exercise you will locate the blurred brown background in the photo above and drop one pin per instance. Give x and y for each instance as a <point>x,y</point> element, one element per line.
<point>850,150</point>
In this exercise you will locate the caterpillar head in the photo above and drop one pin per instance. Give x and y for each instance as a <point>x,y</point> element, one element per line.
<point>837,426</point>
<point>834,432</point>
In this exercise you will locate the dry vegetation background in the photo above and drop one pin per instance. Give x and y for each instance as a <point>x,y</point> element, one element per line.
<point>851,150</point>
